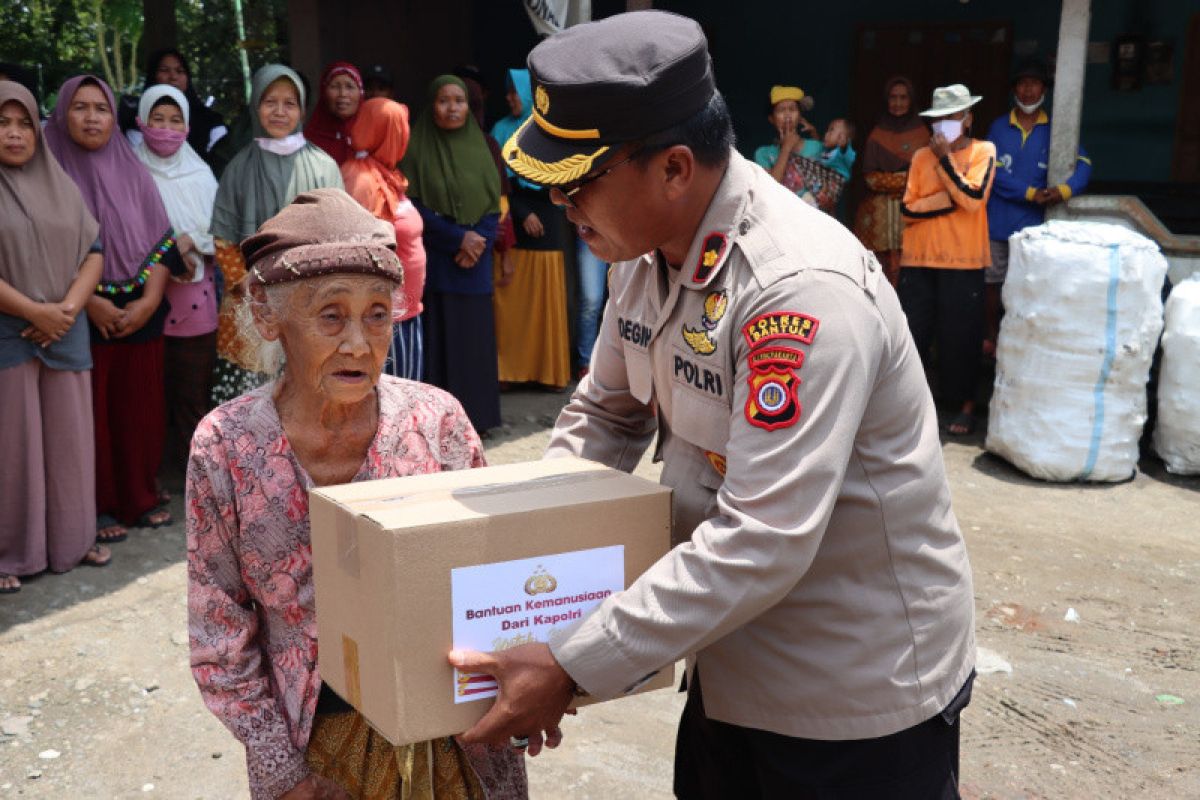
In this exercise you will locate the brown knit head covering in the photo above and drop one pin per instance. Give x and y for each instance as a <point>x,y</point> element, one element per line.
<point>322,232</point>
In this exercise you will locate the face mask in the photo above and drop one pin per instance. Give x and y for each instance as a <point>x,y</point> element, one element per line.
<point>1032,107</point>
<point>950,128</point>
<point>163,142</point>
<point>282,147</point>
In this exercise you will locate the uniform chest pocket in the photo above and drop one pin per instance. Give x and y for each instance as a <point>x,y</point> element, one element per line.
<point>701,397</point>
<point>637,368</point>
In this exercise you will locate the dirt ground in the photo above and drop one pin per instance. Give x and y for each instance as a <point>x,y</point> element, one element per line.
<point>1086,602</point>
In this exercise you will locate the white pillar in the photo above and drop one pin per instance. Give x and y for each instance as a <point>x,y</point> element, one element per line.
<point>1068,88</point>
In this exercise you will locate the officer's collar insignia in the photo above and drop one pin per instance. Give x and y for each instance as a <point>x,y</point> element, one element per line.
<point>701,341</point>
<point>717,460</point>
<point>710,257</point>
<point>541,99</point>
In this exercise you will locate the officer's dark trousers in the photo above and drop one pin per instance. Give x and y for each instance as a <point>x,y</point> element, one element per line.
<point>718,761</point>
<point>945,306</point>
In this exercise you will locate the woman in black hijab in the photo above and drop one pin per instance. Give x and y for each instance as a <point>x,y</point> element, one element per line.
<point>169,66</point>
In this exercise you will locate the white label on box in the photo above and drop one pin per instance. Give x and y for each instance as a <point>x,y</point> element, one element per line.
<point>498,606</point>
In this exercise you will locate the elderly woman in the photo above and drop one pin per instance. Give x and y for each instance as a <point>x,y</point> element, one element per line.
<point>323,275</point>
<point>260,180</point>
<point>49,265</point>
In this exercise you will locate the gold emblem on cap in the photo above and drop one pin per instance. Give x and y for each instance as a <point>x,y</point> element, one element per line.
<point>542,100</point>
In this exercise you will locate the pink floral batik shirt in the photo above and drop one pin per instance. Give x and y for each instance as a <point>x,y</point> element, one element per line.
<point>251,614</point>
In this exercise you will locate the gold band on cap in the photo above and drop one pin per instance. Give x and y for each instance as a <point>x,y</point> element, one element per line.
<point>564,133</point>
<point>781,93</point>
<point>547,174</point>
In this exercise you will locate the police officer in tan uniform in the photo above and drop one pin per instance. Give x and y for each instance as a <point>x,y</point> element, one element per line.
<point>819,585</point>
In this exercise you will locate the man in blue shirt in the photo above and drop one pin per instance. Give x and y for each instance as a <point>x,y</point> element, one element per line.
<point>1020,195</point>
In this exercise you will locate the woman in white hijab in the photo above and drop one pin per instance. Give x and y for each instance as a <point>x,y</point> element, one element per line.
<point>188,188</point>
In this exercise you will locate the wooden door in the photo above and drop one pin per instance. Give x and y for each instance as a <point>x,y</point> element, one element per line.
<point>1186,164</point>
<point>932,55</point>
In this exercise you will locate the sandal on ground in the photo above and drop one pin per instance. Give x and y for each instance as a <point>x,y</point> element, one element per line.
<point>163,497</point>
<point>961,425</point>
<point>97,556</point>
<point>4,576</point>
<point>158,518</point>
<point>106,523</point>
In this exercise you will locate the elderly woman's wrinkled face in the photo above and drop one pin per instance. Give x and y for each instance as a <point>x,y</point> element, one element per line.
<point>279,109</point>
<point>335,334</point>
<point>17,135</point>
<point>90,117</point>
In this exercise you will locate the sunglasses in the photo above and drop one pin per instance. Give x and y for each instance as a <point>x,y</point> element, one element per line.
<point>569,189</point>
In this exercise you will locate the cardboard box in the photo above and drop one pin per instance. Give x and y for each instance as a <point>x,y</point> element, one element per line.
<point>386,554</point>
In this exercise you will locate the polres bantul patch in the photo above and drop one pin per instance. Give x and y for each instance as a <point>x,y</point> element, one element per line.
<point>780,325</point>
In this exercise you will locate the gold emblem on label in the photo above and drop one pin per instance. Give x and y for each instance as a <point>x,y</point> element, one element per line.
<point>540,582</point>
<point>542,100</point>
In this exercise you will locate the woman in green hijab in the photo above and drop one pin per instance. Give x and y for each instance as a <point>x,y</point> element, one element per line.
<point>262,178</point>
<point>453,182</point>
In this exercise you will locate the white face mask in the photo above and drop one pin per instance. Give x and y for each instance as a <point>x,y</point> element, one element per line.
<point>950,128</point>
<point>282,147</point>
<point>1032,107</point>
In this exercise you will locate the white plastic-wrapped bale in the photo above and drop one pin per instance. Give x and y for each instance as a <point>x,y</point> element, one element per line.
<point>1177,430</point>
<point>1083,311</point>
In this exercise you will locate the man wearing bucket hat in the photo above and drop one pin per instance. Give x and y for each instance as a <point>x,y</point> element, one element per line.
<point>819,585</point>
<point>1022,193</point>
<point>945,249</point>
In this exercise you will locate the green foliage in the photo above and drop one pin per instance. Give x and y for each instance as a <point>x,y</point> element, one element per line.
<point>208,37</point>
<point>56,39</point>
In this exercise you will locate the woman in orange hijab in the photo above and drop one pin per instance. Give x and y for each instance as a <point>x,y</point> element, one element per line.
<point>380,132</point>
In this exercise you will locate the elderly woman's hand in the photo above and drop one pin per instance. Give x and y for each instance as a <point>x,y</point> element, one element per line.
<point>315,787</point>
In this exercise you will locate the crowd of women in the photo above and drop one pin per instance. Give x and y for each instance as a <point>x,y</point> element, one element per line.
<point>122,280</point>
<point>141,231</point>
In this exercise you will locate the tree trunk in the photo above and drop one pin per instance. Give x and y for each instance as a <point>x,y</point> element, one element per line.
<point>160,28</point>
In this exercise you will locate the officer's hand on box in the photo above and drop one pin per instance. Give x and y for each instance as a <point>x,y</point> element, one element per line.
<point>534,694</point>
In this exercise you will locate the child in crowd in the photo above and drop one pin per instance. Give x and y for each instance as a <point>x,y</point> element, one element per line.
<point>815,169</point>
<point>838,153</point>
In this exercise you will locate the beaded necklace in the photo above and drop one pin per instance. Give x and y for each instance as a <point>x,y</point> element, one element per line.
<point>114,288</point>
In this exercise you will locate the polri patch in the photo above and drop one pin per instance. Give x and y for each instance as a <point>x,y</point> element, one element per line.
<point>775,356</point>
<point>710,256</point>
<point>772,403</point>
<point>780,325</point>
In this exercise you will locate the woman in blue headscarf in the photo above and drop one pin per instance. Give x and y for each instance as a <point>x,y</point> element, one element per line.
<point>532,339</point>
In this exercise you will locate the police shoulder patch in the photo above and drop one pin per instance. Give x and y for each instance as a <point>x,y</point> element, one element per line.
<point>710,256</point>
<point>772,403</point>
<point>780,325</point>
